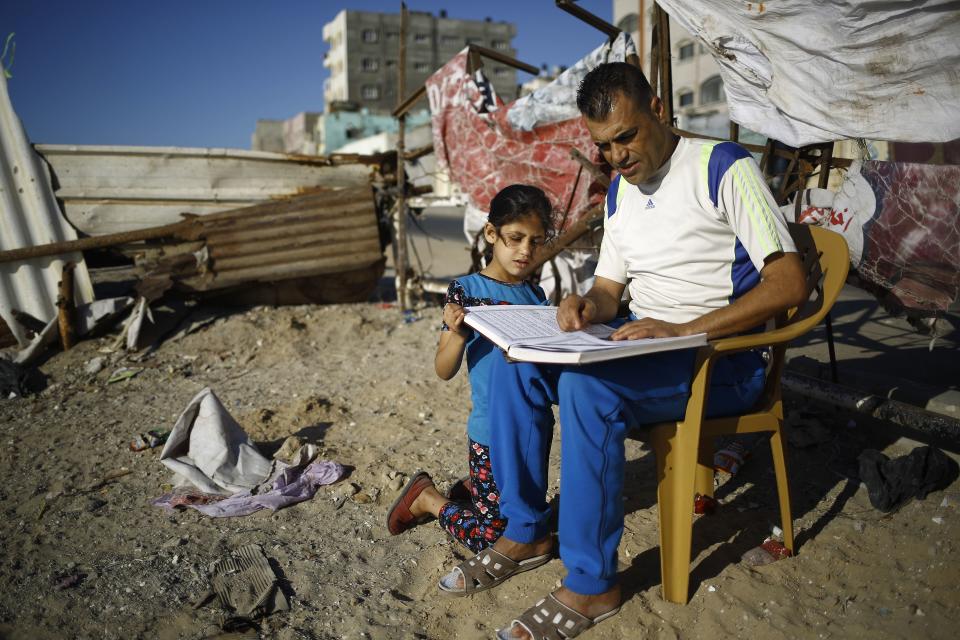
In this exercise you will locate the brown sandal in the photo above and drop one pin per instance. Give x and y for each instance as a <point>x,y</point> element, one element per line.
<point>489,568</point>
<point>399,518</point>
<point>550,619</point>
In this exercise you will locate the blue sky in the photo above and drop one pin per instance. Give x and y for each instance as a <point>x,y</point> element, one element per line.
<point>201,72</point>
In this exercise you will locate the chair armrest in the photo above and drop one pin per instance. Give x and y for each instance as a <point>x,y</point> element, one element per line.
<point>752,341</point>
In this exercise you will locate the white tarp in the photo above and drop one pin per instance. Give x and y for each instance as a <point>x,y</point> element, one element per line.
<point>558,100</point>
<point>806,71</point>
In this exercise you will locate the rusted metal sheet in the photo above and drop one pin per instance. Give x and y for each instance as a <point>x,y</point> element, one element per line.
<point>29,216</point>
<point>301,237</point>
<point>109,189</point>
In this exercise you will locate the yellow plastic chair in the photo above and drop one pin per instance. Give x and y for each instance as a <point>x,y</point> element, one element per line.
<point>684,449</point>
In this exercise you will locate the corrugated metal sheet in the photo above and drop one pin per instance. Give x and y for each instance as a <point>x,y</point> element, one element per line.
<point>328,232</point>
<point>108,189</point>
<point>30,216</point>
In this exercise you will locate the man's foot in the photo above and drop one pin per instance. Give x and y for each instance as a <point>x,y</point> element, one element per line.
<point>516,551</point>
<point>592,609</point>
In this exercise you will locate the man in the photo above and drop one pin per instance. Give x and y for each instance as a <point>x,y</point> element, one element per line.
<point>695,236</point>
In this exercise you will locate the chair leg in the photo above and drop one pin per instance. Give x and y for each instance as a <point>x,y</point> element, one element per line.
<point>783,487</point>
<point>704,481</point>
<point>675,489</point>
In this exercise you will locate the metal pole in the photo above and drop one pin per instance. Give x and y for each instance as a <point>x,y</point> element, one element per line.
<point>401,264</point>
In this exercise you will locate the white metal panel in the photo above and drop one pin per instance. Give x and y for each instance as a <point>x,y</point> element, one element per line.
<point>107,189</point>
<point>29,216</point>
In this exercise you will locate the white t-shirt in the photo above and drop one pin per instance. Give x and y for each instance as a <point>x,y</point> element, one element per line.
<point>695,237</point>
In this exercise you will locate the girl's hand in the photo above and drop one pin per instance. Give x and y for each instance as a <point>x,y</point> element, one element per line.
<point>453,315</point>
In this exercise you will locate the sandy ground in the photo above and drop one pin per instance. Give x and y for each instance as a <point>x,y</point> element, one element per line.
<point>358,381</point>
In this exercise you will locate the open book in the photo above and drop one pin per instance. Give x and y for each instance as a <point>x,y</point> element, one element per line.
<point>531,333</point>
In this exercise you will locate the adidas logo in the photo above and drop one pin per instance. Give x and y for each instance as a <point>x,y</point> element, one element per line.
<point>650,204</point>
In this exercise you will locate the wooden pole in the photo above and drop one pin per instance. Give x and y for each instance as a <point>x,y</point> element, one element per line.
<point>401,263</point>
<point>642,35</point>
<point>66,308</point>
<point>98,242</point>
<point>666,69</point>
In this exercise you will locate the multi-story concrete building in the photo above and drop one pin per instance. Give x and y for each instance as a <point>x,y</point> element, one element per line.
<point>365,48</point>
<point>699,102</point>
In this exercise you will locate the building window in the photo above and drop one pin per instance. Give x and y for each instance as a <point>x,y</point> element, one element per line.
<point>686,51</point>
<point>450,39</point>
<point>371,64</point>
<point>421,67</point>
<point>421,38</point>
<point>501,71</point>
<point>390,64</point>
<point>499,44</point>
<point>474,41</point>
<point>393,35</point>
<point>685,98</point>
<point>370,35</point>
<point>711,90</point>
<point>629,23</point>
<point>370,92</point>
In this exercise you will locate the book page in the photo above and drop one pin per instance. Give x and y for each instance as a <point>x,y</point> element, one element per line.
<point>515,322</point>
<point>535,325</point>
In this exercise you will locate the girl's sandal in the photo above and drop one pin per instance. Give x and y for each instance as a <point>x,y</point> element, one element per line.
<point>550,618</point>
<point>486,570</point>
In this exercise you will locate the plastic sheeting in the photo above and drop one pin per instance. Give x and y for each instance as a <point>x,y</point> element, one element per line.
<point>803,71</point>
<point>487,146</point>
<point>902,223</point>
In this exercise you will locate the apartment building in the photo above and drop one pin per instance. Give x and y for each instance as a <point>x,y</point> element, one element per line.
<point>699,102</point>
<point>365,46</point>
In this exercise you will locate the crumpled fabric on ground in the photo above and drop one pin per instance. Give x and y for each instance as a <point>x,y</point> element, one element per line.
<point>292,485</point>
<point>212,451</point>
<point>891,483</point>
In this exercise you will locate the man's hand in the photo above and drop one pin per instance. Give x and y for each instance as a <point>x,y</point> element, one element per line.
<point>575,312</point>
<point>453,315</point>
<point>649,328</point>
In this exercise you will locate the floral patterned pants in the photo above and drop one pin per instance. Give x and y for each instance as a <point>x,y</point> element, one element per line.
<point>476,525</point>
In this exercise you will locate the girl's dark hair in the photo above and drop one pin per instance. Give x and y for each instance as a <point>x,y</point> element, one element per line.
<point>519,201</point>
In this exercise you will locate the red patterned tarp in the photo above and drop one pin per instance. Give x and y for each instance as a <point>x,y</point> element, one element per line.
<point>483,153</point>
<point>912,242</point>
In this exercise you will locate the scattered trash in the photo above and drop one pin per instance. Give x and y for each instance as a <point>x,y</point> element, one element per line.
<point>93,504</point>
<point>711,588</point>
<point>891,483</point>
<point>938,519</point>
<point>770,551</point>
<point>245,586</point>
<point>94,366</point>
<point>410,316</point>
<point>211,451</point>
<point>68,581</point>
<point>149,440</point>
<point>124,373</point>
<point>17,380</point>
<point>859,526</point>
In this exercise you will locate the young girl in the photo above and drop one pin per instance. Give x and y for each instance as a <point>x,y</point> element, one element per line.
<point>516,229</point>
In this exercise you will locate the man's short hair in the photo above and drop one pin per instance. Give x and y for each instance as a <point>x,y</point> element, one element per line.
<point>605,83</point>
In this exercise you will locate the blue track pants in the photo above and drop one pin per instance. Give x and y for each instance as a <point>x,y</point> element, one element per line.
<point>599,403</point>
